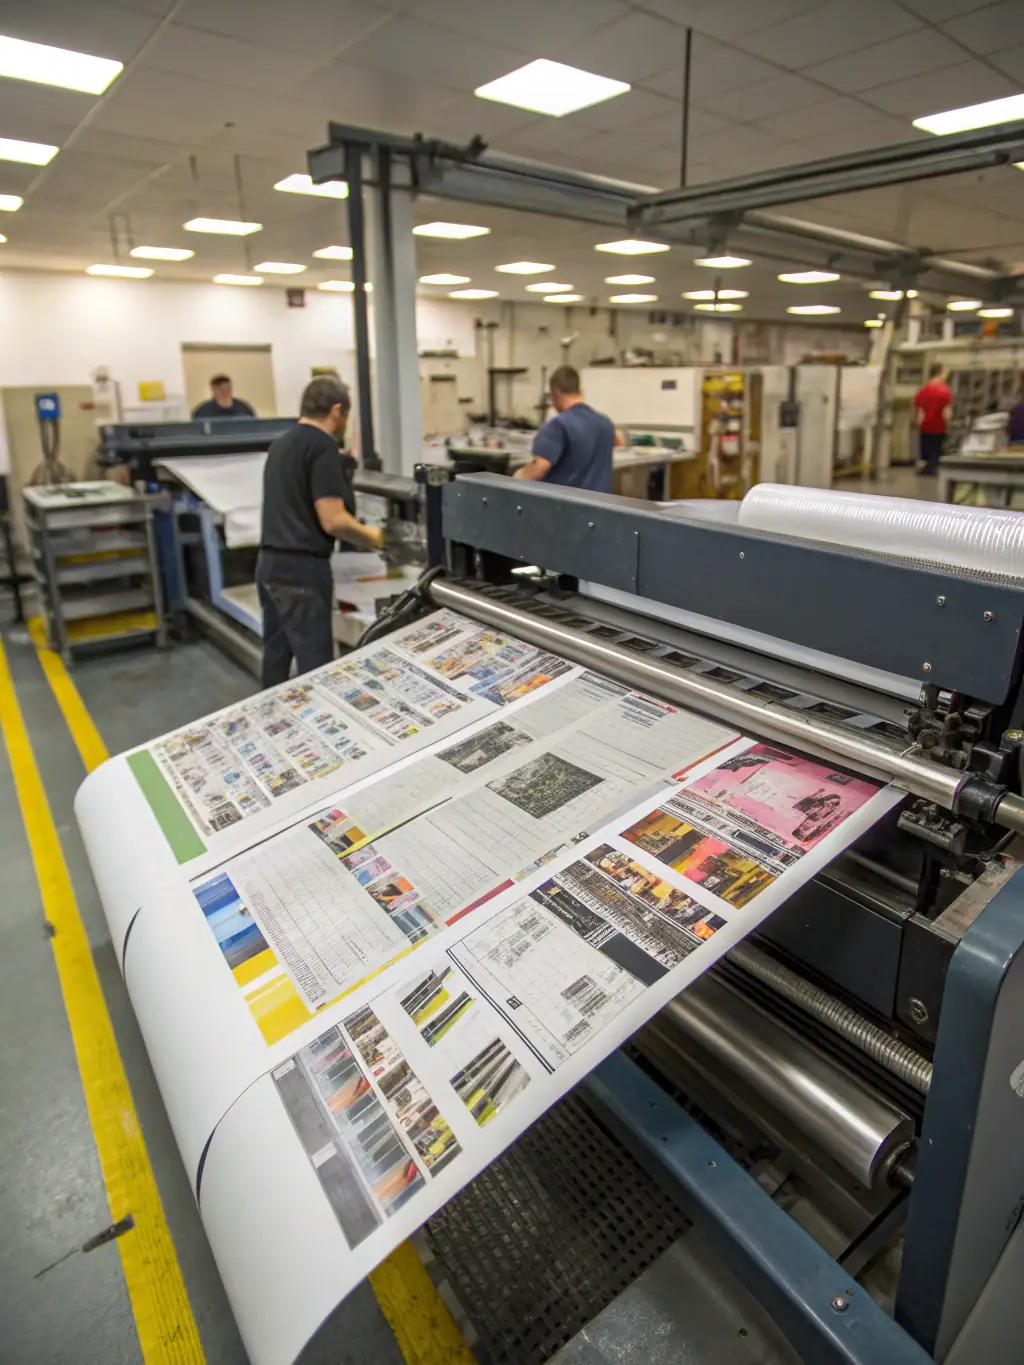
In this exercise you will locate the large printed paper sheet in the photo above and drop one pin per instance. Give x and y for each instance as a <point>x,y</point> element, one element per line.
<point>354,1008</point>
<point>231,484</point>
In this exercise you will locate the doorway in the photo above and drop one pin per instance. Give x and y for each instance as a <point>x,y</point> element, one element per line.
<point>250,367</point>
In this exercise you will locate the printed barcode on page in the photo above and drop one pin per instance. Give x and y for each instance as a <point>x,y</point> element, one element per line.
<point>586,995</point>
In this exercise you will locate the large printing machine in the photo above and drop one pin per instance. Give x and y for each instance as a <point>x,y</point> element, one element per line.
<point>855,1072</point>
<point>206,576</point>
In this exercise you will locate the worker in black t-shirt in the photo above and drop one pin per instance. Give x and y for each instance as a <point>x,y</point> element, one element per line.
<point>223,403</point>
<point>307,505</point>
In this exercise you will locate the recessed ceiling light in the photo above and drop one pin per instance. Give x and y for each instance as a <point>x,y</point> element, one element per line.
<point>995,312</point>
<point>629,279</point>
<point>56,66</point>
<point>963,305</point>
<point>473,294</point>
<point>548,287</point>
<point>811,309</point>
<point>2,238</point>
<point>10,203</point>
<point>278,268</point>
<point>721,294</point>
<point>891,295</point>
<point>162,253</point>
<point>444,278</point>
<point>973,116</point>
<point>455,232</point>
<point>722,262</point>
<point>302,184</point>
<point>127,272</point>
<point>546,87</point>
<point>227,227</point>
<point>523,268</point>
<point>719,307</point>
<point>809,277</point>
<point>873,322</point>
<point>633,298</point>
<point>334,253</point>
<point>631,247</point>
<point>342,286</point>
<point>237,279</point>
<point>563,298</point>
<point>31,153</point>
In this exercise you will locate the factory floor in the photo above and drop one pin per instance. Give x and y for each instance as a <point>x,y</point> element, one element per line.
<point>59,1303</point>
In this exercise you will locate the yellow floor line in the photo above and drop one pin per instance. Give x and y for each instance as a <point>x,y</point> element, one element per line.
<point>424,1329</point>
<point>163,1319</point>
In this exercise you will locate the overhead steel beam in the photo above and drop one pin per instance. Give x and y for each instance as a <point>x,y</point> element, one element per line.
<point>908,161</point>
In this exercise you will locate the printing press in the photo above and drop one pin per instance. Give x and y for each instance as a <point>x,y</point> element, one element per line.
<point>208,548</point>
<point>839,1107</point>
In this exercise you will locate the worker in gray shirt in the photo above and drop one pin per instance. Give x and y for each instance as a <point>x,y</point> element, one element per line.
<point>574,447</point>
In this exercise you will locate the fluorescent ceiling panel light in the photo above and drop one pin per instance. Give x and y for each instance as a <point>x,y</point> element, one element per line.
<point>302,184</point>
<point>162,253</point>
<point>963,305</point>
<point>10,203</point>
<point>629,279</point>
<point>563,298</point>
<point>548,288</point>
<point>809,277</point>
<point>995,312</point>
<point>342,286</point>
<point>813,309</point>
<point>56,66</point>
<point>473,294</point>
<point>523,268</point>
<point>721,294</point>
<point>722,262</point>
<point>334,253</point>
<point>547,87</point>
<point>631,247</point>
<point>633,298</point>
<point>973,116</point>
<point>127,272</point>
<point>719,307</point>
<point>443,278</point>
<point>278,268</point>
<point>873,322</point>
<point>226,227</point>
<point>237,279</point>
<point>454,232</point>
<point>2,238</point>
<point>890,295</point>
<point>30,153</point>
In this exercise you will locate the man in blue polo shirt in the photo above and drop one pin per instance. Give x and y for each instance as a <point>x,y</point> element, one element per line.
<point>574,446</point>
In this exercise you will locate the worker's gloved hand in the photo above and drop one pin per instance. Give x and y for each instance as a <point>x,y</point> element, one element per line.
<point>402,543</point>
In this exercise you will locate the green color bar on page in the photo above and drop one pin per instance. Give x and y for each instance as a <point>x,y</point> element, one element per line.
<point>170,813</point>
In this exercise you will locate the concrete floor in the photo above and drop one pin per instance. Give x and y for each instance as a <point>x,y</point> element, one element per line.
<point>51,1191</point>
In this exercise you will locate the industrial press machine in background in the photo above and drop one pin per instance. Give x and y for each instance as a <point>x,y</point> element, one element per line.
<point>839,1107</point>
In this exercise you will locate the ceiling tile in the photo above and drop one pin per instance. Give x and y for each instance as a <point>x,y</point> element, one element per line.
<point>537,27</point>
<point>229,61</point>
<point>625,109</point>
<point>992,29</point>
<point>935,11</point>
<point>464,116</point>
<point>406,47</point>
<point>348,93</point>
<point>318,28</point>
<point>954,86</point>
<point>40,113</point>
<point>827,116</point>
<point>631,48</point>
<point>99,29</point>
<point>1011,62</point>
<point>828,31</point>
<point>735,141</point>
<point>903,57</point>
<point>141,150</point>
<point>773,96</point>
<point>862,137</point>
<point>727,19</point>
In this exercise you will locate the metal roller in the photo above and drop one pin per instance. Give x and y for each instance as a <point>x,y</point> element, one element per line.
<point>841,1115</point>
<point>866,753</point>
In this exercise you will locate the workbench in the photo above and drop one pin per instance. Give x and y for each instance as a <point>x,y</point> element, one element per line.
<point>999,474</point>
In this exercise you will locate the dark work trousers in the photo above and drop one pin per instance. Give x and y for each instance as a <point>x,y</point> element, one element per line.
<point>296,597</point>
<point>933,443</point>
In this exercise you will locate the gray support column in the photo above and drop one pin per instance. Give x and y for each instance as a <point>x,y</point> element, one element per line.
<point>396,373</point>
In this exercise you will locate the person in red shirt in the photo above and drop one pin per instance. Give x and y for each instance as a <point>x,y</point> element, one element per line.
<point>933,402</point>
